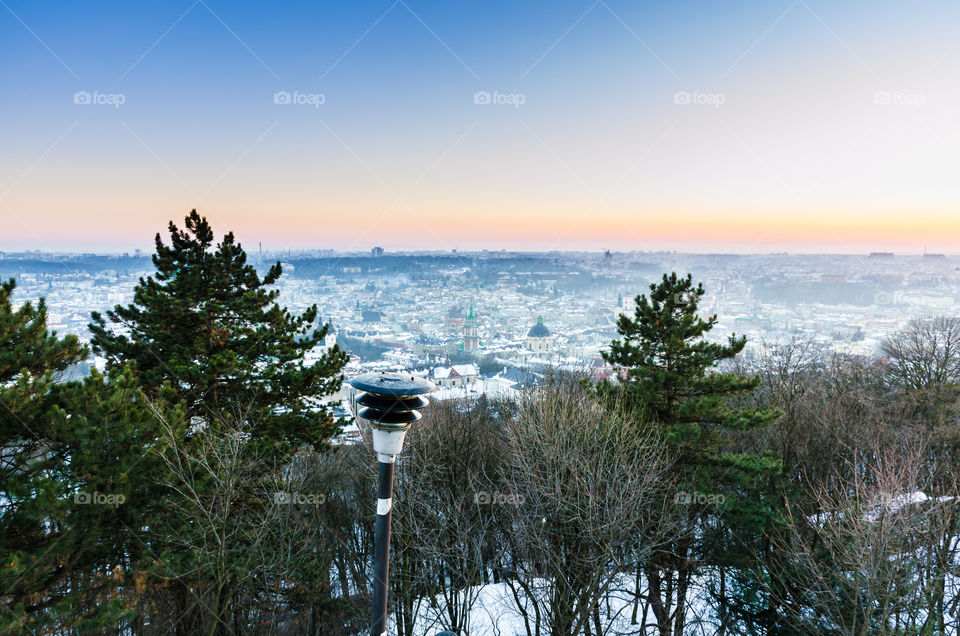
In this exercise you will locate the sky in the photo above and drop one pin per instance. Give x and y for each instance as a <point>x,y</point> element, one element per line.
<point>742,126</point>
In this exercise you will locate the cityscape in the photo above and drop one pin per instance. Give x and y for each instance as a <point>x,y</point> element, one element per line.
<point>479,318</point>
<point>443,312</point>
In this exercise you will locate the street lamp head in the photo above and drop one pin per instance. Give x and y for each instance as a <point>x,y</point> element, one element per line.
<point>390,402</point>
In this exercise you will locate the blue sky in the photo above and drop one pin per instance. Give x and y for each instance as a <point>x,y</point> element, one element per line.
<point>812,124</point>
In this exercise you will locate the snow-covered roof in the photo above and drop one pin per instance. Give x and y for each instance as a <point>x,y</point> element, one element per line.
<point>456,371</point>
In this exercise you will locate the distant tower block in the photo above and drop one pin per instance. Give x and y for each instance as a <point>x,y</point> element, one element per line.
<point>376,252</point>
<point>470,339</point>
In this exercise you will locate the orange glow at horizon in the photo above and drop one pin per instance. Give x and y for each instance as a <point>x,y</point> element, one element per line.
<point>353,227</point>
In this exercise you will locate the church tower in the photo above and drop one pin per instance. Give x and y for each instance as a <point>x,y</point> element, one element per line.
<point>470,339</point>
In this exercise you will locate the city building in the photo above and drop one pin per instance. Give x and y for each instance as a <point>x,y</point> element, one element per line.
<point>539,339</point>
<point>470,339</point>
<point>456,376</point>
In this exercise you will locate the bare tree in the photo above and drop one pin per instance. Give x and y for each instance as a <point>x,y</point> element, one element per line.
<point>242,547</point>
<point>875,557</point>
<point>926,353</point>
<point>445,542</point>
<point>586,482</point>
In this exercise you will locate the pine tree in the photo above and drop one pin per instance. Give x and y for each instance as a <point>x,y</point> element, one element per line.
<point>670,371</point>
<point>27,346</point>
<point>208,325</point>
<point>669,376</point>
<point>205,332</point>
<point>71,489</point>
<point>30,359</point>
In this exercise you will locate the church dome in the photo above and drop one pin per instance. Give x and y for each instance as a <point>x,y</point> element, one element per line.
<point>538,330</point>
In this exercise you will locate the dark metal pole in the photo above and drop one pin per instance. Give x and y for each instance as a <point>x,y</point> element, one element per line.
<point>391,401</point>
<point>381,548</point>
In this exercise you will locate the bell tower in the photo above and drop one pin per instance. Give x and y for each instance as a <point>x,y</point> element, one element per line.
<point>470,339</point>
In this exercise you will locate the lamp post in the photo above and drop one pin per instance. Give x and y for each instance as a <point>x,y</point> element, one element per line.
<point>390,402</point>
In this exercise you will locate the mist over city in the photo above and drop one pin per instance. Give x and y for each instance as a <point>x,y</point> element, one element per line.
<point>395,311</point>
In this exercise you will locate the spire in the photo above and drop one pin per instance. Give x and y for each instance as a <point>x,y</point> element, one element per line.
<point>470,315</point>
<point>539,320</point>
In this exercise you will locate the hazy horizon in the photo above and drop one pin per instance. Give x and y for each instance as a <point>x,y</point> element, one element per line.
<point>252,249</point>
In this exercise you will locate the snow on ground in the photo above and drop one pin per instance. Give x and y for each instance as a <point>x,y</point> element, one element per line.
<point>495,611</point>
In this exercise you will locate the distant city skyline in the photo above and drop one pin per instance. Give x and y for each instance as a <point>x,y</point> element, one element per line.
<point>802,126</point>
<point>323,252</point>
